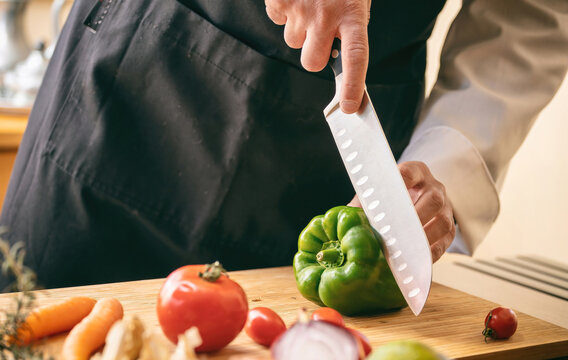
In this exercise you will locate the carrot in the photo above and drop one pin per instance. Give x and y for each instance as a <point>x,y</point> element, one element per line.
<point>90,333</point>
<point>52,319</point>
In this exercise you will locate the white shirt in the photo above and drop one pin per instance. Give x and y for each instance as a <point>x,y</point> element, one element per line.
<point>502,62</point>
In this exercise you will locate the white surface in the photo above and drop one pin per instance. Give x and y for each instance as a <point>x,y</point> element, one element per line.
<point>501,292</point>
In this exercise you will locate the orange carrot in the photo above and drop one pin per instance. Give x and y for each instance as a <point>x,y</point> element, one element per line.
<point>90,333</point>
<point>52,319</point>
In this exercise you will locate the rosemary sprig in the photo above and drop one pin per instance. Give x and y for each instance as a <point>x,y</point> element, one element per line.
<point>12,264</point>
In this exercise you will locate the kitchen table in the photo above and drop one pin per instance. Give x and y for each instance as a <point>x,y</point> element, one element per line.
<point>451,322</point>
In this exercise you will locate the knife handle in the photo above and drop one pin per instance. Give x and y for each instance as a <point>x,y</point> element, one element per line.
<point>335,57</point>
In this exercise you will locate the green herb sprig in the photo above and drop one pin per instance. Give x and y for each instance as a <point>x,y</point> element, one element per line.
<point>13,318</point>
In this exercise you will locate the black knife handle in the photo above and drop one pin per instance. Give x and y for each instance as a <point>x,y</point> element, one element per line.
<point>335,57</point>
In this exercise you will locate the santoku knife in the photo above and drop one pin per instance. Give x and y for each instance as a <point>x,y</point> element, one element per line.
<point>374,174</point>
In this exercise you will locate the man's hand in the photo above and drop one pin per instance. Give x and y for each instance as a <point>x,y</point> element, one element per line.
<point>431,203</point>
<point>313,24</point>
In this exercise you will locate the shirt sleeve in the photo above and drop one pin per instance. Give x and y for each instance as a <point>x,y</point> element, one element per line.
<point>501,64</point>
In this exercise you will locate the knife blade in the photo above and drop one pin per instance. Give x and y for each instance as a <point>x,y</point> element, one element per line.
<point>378,183</point>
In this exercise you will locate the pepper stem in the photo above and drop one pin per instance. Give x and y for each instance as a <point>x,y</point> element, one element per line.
<point>330,255</point>
<point>213,272</point>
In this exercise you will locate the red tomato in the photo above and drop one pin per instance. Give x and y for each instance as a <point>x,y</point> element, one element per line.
<point>500,323</point>
<point>328,315</point>
<point>218,308</point>
<point>264,325</point>
<point>362,339</point>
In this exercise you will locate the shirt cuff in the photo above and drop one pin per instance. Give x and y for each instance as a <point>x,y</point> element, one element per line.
<point>456,163</point>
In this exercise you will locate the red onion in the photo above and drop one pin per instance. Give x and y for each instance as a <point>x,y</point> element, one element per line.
<point>316,340</point>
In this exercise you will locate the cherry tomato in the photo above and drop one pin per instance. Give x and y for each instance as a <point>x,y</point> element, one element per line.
<point>500,323</point>
<point>329,315</point>
<point>202,296</point>
<point>264,325</point>
<point>362,339</point>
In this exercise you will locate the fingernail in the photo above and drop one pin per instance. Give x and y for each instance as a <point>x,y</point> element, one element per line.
<point>349,106</point>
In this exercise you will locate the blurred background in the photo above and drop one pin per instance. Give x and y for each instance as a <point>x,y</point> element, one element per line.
<point>27,33</point>
<point>534,196</point>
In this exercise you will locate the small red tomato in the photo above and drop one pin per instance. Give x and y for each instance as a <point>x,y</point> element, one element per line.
<point>329,315</point>
<point>500,323</point>
<point>264,325</point>
<point>362,339</point>
<point>202,296</point>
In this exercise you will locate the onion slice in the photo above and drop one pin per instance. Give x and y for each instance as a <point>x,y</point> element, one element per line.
<point>316,340</point>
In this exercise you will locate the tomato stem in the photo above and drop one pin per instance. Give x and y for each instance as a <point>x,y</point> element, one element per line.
<point>488,332</point>
<point>213,271</point>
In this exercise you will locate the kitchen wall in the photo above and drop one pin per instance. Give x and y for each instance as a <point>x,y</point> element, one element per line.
<point>534,196</point>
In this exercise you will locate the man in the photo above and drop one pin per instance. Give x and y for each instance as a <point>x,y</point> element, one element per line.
<point>173,132</point>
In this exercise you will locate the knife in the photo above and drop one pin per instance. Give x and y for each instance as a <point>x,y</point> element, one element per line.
<point>374,174</point>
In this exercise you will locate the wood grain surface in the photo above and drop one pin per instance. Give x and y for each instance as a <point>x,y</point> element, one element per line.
<point>451,321</point>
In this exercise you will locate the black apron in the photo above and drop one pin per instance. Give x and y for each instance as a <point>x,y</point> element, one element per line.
<point>174,132</point>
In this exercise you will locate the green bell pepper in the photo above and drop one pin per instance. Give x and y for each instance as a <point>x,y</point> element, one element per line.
<point>340,264</point>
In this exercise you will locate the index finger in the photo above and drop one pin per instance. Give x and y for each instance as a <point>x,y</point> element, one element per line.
<point>355,59</point>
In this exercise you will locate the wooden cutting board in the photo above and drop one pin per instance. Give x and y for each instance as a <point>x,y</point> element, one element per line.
<point>451,321</point>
